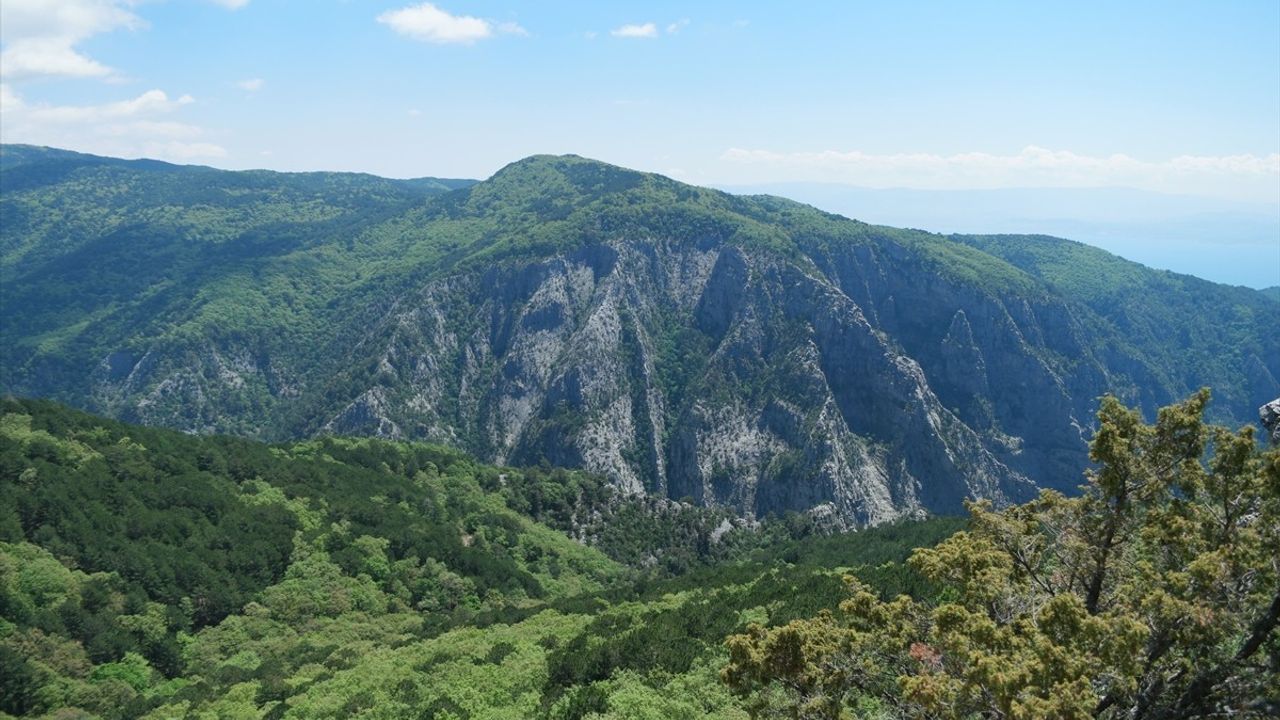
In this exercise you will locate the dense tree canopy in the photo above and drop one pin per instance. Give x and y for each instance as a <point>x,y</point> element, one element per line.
<point>149,573</point>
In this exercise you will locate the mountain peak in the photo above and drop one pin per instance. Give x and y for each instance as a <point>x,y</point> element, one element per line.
<point>583,174</point>
<point>547,160</point>
<point>542,184</point>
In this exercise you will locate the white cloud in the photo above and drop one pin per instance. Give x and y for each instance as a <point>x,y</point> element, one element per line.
<point>231,4</point>
<point>677,26</point>
<point>20,19</point>
<point>9,100</point>
<point>510,28</point>
<point>40,36</point>
<point>126,128</point>
<point>150,102</point>
<point>428,23</point>
<point>28,58</point>
<point>252,84</point>
<point>1252,175</point>
<point>647,30</point>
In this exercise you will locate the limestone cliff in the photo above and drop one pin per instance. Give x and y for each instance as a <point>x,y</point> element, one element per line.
<point>743,352</point>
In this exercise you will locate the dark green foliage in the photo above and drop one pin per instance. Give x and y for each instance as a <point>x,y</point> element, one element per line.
<point>145,568</point>
<point>1219,330</point>
<point>147,513</point>
<point>19,686</point>
<point>185,531</point>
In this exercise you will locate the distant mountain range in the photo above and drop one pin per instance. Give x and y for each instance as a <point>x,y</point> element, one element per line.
<point>1227,241</point>
<point>742,351</point>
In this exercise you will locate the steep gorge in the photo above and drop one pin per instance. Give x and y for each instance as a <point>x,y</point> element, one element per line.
<point>746,352</point>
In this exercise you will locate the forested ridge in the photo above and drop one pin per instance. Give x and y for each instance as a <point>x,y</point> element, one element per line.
<point>148,573</point>
<point>745,352</point>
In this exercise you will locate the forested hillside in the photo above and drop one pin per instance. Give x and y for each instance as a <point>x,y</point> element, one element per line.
<point>146,573</point>
<point>748,353</point>
<point>1212,326</point>
<point>149,574</point>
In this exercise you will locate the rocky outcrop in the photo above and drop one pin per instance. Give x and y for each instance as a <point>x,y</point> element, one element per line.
<point>745,353</point>
<point>855,386</point>
<point>792,401</point>
<point>1269,415</point>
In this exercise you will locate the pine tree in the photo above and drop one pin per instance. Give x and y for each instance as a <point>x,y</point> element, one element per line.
<point>1155,593</point>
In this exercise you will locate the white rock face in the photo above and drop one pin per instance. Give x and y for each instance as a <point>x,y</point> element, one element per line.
<point>743,352</point>
<point>731,376</point>
<point>798,403</point>
<point>1269,414</point>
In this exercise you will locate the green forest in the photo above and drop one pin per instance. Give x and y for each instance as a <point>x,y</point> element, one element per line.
<point>146,573</point>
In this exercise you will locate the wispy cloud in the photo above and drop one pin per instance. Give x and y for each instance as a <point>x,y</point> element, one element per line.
<point>252,84</point>
<point>428,23</point>
<point>510,28</point>
<point>646,30</point>
<point>231,4</point>
<point>127,128</point>
<point>40,36</point>
<point>148,103</point>
<point>1032,167</point>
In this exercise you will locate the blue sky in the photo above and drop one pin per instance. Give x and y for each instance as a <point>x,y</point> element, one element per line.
<point>1179,97</point>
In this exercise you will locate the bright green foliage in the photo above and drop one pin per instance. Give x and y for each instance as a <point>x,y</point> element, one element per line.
<point>1155,594</point>
<point>96,251</point>
<point>148,573</point>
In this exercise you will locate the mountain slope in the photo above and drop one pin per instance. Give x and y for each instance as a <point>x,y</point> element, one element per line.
<point>1189,328</point>
<point>741,351</point>
<point>147,573</point>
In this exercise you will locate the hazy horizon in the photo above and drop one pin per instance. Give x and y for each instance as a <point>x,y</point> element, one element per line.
<point>1224,241</point>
